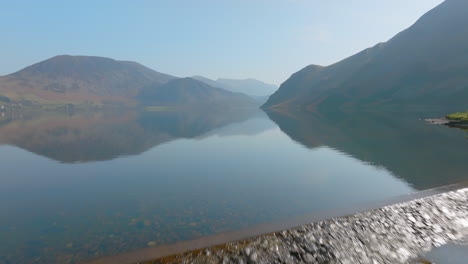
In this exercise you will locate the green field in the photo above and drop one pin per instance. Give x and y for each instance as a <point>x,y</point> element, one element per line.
<point>458,116</point>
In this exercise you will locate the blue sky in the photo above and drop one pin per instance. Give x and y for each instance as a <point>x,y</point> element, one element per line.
<point>263,39</point>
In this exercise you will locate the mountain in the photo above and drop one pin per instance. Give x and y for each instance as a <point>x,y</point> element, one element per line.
<point>210,82</point>
<point>96,80</point>
<point>251,87</point>
<point>77,79</point>
<point>190,92</point>
<point>424,66</point>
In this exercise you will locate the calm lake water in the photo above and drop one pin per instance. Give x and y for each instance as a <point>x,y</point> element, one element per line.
<point>84,186</point>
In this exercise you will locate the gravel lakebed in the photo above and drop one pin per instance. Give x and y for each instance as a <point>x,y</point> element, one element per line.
<point>399,233</point>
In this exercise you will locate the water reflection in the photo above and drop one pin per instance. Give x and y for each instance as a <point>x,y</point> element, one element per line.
<point>421,154</point>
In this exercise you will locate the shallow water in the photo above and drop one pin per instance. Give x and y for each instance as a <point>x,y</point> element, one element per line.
<point>83,186</point>
<point>448,254</point>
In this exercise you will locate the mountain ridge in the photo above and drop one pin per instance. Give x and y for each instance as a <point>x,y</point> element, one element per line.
<point>93,80</point>
<point>424,65</point>
<point>190,92</point>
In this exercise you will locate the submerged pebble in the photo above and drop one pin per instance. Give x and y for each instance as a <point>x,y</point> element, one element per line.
<point>393,234</point>
<point>151,244</point>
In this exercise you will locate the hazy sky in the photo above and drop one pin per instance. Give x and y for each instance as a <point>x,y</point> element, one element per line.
<point>264,39</point>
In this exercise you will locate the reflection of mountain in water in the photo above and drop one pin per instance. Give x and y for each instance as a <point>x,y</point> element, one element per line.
<point>423,155</point>
<point>103,136</point>
<point>256,124</point>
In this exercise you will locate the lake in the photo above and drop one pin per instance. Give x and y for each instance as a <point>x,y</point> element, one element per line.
<point>80,186</point>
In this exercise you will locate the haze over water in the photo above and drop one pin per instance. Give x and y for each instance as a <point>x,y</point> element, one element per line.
<point>90,185</point>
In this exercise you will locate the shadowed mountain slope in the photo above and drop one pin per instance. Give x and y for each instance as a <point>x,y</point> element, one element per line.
<point>423,66</point>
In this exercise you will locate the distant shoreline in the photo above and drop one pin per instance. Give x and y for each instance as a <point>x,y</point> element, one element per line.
<point>450,119</point>
<point>442,121</point>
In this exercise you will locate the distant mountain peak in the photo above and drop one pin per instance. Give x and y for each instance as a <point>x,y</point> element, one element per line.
<point>188,93</point>
<point>244,80</point>
<point>68,56</point>
<point>80,79</point>
<point>248,86</point>
<point>313,67</point>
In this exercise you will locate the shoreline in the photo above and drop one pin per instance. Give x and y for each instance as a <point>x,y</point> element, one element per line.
<point>444,121</point>
<point>221,246</point>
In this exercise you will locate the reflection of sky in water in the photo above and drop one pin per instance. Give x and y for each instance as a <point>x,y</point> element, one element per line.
<point>178,190</point>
